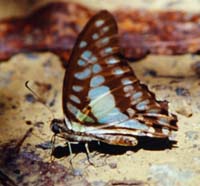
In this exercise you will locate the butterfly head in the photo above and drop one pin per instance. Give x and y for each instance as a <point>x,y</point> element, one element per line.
<point>56,126</point>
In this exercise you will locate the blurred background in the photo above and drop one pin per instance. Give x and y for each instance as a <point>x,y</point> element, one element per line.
<point>23,7</point>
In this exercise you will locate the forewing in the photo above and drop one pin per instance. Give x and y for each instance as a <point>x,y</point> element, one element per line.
<point>95,44</point>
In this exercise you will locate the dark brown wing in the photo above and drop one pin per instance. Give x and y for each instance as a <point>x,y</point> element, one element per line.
<point>101,91</point>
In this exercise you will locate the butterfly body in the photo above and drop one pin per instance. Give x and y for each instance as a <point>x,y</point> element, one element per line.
<point>89,134</point>
<point>102,98</point>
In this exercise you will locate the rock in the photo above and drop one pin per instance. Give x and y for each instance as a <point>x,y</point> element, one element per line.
<point>192,135</point>
<point>167,175</point>
<point>180,91</point>
<point>184,108</point>
<point>196,160</point>
<point>77,172</point>
<point>113,165</point>
<point>99,183</point>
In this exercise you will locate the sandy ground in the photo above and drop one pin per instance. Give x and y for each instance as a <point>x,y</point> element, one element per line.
<point>151,163</point>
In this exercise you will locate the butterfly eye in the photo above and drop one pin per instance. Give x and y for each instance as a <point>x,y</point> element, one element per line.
<point>55,129</point>
<point>55,126</point>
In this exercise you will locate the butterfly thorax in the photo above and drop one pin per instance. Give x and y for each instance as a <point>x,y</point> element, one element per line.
<point>60,128</point>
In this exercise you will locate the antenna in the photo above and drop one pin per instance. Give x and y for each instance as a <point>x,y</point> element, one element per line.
<point>53,140</point>
<point>39,99</point>
<point>21,141</point>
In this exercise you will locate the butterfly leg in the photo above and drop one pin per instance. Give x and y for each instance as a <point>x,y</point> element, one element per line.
<point>70,154</point>
<point>88,154</point>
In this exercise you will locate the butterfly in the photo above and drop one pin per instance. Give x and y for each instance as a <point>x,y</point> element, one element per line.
<point>102,98</point>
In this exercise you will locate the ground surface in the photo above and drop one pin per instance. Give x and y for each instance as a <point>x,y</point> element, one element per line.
<point>148,164</point>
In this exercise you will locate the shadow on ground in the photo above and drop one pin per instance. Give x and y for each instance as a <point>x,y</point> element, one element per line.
<point>144,143</point>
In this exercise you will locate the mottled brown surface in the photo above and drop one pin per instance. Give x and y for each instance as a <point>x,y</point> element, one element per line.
<point>25,167</point>
<point>144,32</point>
<point>55,27</point>
<point>51,28</point>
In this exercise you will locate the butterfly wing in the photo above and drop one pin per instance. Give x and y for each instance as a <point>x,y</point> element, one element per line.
<point>86,60</point>
<point>101,94</point>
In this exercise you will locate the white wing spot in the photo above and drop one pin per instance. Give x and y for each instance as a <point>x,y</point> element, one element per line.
<point>118,71</point>
<point>96,81</point>
<point>96,68</point>
<point>74,98</point>
<point>131,112</point>
<point>74,110</point>
<point>126,81</point>
<point>104,40</point>
<point>98,91</point>
<point>153,112</point>
<point>151,130</point>
<point>93,59</point>
<point>112,60</point>
<point>83,44</point>
<point>143,105</point>
<point>137,95</point>
<point>165,131</point>
<point>128,88</point>
<point>77,88</point>
<point>108,50</point>
<point>99,22</point>
<point>105,29</point>
<point>95,36</point>
<point>163,121</point>
<point>83,75</point>
<point>128,94</point>
<point>86,55</point>
<point>81,62</point>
